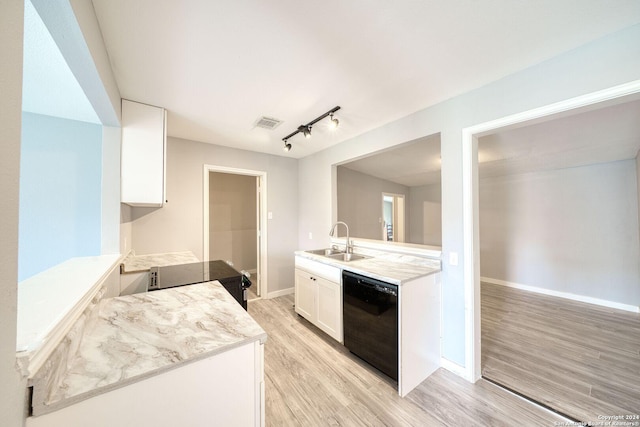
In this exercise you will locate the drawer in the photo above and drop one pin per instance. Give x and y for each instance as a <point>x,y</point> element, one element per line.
<point>329,272</point>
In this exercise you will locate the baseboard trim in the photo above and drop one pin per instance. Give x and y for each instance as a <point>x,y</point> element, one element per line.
<point>280,293</point>
<point>450,366</point>
<point>566,295</point>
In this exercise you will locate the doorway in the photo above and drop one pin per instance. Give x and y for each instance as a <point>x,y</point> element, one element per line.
<point>472,279</point>
<point>470,202</point>
<point>234,222</point>
<point>393,217</point>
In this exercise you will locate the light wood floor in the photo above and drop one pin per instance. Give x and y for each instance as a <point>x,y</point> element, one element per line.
<point>251,294</point>
<point>312,380</point>
<point>580,359</point>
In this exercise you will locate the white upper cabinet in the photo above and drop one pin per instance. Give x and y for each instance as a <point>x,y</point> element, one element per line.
<point>143,159</point>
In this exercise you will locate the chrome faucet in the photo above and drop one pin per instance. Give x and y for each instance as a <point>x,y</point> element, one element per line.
<point>348,246</point>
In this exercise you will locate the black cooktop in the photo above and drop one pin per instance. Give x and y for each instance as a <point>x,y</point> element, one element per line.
<point>188,274</point>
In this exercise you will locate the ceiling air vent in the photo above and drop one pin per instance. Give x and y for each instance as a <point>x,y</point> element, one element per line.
<point>267,123</point>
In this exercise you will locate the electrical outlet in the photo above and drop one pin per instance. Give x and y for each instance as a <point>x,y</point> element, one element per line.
<point>310,236</point>
<point>270,215</point>
<point>453,258</point>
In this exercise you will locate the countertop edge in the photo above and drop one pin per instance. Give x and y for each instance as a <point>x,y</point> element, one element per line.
<point>352,266</point>
<point>155,260</point>
<point>47,408</point>
<point>133,271</point>
<point>43,404</point>
<point>42,344</point>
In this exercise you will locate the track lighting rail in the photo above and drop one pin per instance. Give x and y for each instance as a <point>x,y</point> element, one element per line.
<point>306,129</point>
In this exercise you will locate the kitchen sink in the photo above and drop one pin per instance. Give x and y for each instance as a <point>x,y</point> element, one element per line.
<point>347,257</point>
<point>337,254</point>
<point>325,252</point>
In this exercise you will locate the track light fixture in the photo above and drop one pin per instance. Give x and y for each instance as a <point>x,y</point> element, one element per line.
<point>306,129</point>
<point>334,122</point>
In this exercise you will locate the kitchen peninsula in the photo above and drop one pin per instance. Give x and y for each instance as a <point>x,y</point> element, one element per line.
<point>195,343</point>
<point>400,327</point>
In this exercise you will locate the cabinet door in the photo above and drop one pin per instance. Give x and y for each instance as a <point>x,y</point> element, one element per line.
<point>306,290</point>
<point>329,306</point>
<point>143,154</point>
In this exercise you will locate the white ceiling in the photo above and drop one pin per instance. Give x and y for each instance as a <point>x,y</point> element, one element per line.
<point>597,136</point>
<point>219,65</point>
<point>412,164</point>
<point>48,85</point>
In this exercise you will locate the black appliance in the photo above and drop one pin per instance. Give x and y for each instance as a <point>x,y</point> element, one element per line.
<point>370,318</point>
<point>198,272</point>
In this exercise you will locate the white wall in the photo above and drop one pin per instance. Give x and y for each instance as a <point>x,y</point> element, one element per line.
<point>425,214</point>
<point>111,138</point>
<point>569,230</point>
<point>178,226</point>
<point>126,234</point>
<point>606,62</point>
<point>360,202</point>
<point>74,27</point>
<point>12,392</point>
<point>60,192</point>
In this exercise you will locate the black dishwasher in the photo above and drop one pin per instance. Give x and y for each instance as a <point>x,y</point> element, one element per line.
<point>370,316</point>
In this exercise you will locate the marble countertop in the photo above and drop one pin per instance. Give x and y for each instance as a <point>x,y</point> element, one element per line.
<point>388,267</point>
<point>137,336</point>
<point>46,298</point>
<point>140,263</point>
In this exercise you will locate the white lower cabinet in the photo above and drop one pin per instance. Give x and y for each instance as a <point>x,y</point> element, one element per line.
<point>306,292</point>
<point>419,331</point>
<point>318,296</point>
<point>226,389</point>
<point>329,308</point>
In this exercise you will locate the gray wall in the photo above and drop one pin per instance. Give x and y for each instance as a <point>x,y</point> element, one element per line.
<point>638,186</point>
<point>178,226</point>
<point>425,215</point>
<point>360,202</point>
<point>610,61</point>
<point>12,391</point>
<point>232,219</point>
<point>568,230</point>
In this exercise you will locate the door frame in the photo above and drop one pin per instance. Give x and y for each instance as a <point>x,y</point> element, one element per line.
<point>398,217</point>
<point>261,219</point>
<point>471,245</point>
